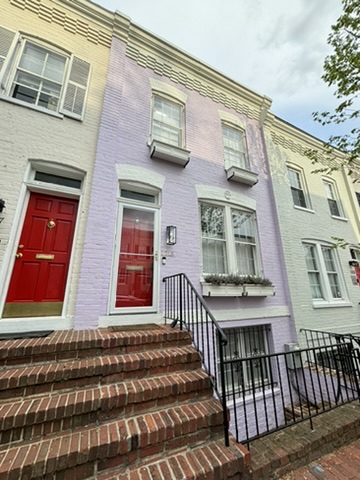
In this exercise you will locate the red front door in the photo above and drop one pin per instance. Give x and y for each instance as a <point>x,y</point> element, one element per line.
<point>38,281</point>
<point>136,260</point>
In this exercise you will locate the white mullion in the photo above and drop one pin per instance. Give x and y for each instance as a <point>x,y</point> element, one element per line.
<point>230,240</point>
<point>324,280</point>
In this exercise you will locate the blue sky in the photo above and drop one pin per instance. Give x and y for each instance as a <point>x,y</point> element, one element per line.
<point>275,47</point>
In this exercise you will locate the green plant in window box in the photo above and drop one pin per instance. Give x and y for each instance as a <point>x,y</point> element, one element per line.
<point>237,285</point>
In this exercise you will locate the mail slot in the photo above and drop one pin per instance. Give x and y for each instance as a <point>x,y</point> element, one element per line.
<point>134,268</point>
<point>45,256</point>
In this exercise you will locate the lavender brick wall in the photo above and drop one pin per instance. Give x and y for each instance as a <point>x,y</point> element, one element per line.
<point>123,137</point>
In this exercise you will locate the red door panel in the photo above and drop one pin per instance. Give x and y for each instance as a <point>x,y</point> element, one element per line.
<point>40,271</point>
<point>136,261</point>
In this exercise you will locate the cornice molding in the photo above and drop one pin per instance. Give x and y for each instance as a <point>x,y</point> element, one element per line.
<point>61,16</point>
<point>168,61</point>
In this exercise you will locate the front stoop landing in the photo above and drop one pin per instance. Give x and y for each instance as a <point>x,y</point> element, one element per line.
<point>96,404</point>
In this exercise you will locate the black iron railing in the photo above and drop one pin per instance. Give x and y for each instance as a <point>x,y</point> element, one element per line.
<point>286,388</point>
<point>319,338</point>
<point>187,309</point>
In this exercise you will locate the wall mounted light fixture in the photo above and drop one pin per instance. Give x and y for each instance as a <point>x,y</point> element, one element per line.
<point>170,235</point>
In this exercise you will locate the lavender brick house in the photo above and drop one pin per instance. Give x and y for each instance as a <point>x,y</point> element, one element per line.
<point>181,145</point>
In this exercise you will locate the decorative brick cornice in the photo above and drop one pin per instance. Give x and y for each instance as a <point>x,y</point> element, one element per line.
<point>168,61</point>
<point>70,23</point>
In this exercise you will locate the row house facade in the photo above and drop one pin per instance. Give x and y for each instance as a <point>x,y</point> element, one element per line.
<point>53,64</point>
<point>125,160</point>
<point>319,222</point>
<point>181,149</point>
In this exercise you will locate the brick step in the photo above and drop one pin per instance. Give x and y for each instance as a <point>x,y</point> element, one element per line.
<point>86,453</point>
<point>76,344</point>
<point>38,379</point>
<point>211,461</point>
<point>34,417</point>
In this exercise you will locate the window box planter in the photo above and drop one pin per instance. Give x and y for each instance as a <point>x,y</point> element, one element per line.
<point>231,290</point>
<point>209,290</point>
<point>258,291</point>
<point>171,153</point>
<point>240,175</point>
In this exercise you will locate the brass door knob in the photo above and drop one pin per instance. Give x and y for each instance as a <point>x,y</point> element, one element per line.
<point>19,255</point>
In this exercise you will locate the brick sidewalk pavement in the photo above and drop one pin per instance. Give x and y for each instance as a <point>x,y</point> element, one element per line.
<point>343,464</point>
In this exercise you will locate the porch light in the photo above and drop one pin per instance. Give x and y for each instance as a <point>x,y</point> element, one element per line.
<point>2,204</point>
<point>171,235</point>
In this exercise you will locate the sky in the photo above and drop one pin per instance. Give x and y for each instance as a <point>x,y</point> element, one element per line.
<point>275,47</point>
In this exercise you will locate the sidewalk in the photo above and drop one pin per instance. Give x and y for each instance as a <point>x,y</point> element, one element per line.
<point>343,464</point>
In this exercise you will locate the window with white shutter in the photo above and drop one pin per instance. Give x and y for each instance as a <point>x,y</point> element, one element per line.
<point>47,79</point>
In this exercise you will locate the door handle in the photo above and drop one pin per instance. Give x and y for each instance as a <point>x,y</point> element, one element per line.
<point>19,255</point>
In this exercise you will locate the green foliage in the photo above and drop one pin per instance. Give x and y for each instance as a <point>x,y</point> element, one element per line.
<point>236,279</point>
<point>342,70</point>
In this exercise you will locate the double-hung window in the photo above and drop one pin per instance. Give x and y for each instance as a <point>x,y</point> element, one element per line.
<point>234,147</point>
<point>333,199</point>
<point>326,283</point>
<point>297,188</point>
<point>36,74</point>
<point>244,373</point>
<point>228,240</point>
<point>167,121</point>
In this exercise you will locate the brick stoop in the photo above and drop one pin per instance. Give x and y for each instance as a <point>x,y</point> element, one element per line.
<point>107,405</point>
<point>281,452</point>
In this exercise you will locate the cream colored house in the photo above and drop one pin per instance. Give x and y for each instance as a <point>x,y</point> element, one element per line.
<point>53,64</point>
<point>315,210</point>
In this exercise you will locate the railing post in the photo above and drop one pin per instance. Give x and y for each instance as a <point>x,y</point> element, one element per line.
<point>181,301</point>
<point>223,390</point>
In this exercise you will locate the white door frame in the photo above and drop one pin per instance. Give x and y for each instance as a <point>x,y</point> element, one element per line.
<point>126,203</point>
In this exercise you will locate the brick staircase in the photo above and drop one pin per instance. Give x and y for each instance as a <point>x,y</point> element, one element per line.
<point>104,405</point>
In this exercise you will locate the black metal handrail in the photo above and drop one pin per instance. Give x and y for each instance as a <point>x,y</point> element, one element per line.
<point>184,306</point>
<point>317,338</point>
<point>267,393</point>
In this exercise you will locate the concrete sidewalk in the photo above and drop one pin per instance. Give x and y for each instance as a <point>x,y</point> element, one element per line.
<point>343,464</point>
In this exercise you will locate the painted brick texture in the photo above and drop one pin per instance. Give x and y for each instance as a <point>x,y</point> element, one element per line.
<point>298,225</point>
<point>123,138</point>
<point>27,134</point>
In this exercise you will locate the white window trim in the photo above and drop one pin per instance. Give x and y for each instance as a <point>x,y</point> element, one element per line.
<point>231,258</point>
<point>10,67</point>
<point>304,189</point>
<point>228,164</point>
<point>336,199</point>
<point>182,129</point>
<point>328,301</point>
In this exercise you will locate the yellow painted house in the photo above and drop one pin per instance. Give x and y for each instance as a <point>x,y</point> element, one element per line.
<point>53,62</point>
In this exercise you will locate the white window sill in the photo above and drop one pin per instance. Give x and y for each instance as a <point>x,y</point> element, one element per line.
<point>342,219</point>
<point>332,304</point>
<point>171,153</point>
<point>31,106</point>
<point>303,209</point>
<point>241,175</point>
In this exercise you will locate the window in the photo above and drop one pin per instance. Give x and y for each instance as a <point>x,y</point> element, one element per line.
<point>234,147</point>
<point>297,188</point>
<point>333,199</point>
<point>358,197</point>
<point>246,375</point>
<point>324,274</point>
<point>228,240</point>
<point>167,123</point>
<point>46,78</point>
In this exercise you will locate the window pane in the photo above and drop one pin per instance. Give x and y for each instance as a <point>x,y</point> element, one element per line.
<point>313,272</point>
<point>245,242</point>
<point>296,187</point>
<point>213,239</point>
<point>36,67</point>
<point>167,121</point>
<point>331,272</point>
<point>334,209</point>
<point>234,147</point>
